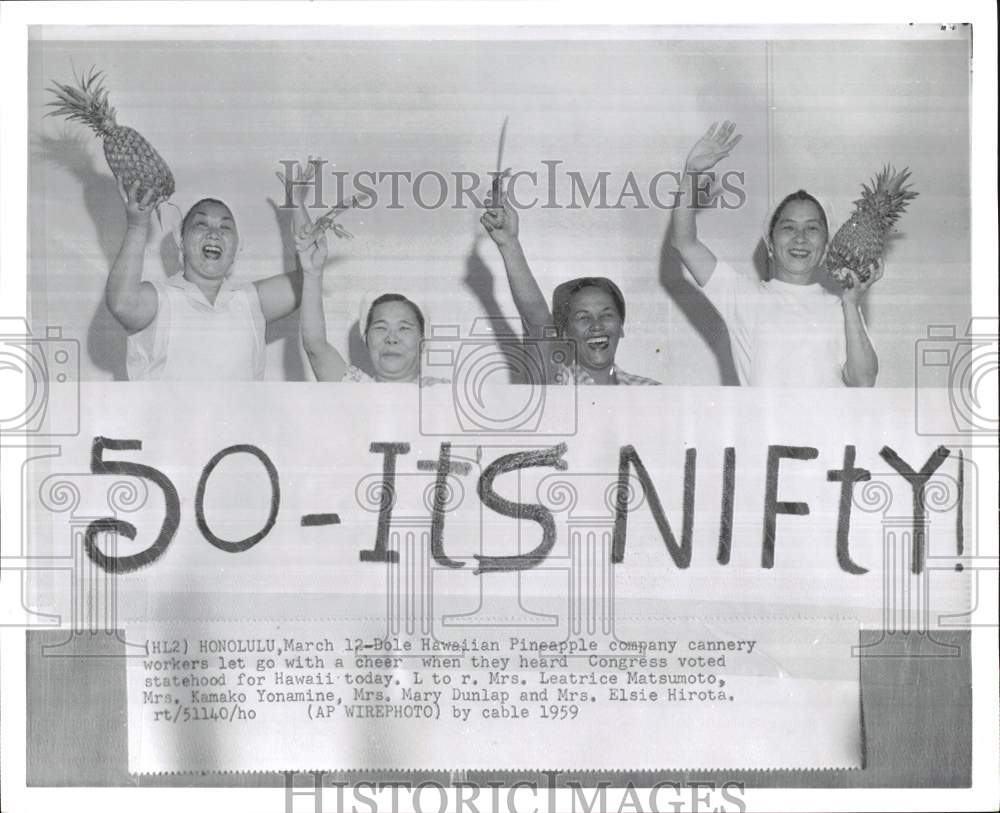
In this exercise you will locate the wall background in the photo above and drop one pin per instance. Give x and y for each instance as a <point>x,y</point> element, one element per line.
<point>818,114</point>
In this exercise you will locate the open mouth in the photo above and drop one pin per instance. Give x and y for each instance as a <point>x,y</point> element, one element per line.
<point>799,253</point>
<point>599,343</point>
<point>211,251</point>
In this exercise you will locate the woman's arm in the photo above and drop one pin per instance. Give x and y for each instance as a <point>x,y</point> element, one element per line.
<point>280,295</point>
<point>502,226</point>
<point>711,148</point>
<point>131,301</point>
<point>327,364</point>
<point>861,368</point>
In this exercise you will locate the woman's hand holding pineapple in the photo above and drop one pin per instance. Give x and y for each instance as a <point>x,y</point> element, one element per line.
<point>857,291</point>
<point>137,209</point>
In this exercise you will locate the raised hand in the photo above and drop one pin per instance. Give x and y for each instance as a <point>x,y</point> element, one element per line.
<point>312,251</point>
<point>857,290</point>
<point>712,147</point>
<point>137,209</point>
<point>500,222</point>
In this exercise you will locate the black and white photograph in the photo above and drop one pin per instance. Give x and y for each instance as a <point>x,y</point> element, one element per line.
<point>237,570</point>
<point>768,212</point>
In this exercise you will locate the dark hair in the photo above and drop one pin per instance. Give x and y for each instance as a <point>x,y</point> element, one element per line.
<point>393,298</point>
<point>799,195</point>
<point>190,211</point>
<point>563,294</point>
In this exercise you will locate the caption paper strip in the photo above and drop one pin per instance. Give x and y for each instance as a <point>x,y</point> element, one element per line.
<point>316,696</point>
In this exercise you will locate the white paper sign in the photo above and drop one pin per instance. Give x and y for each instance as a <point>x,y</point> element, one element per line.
<point>405,539</point>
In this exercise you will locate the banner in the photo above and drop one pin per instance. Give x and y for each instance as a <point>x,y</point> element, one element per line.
<point>501,403</point>
<point>427,581</point>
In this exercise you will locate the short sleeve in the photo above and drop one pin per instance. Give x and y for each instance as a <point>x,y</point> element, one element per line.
<point>736,296</point>
<point>146,349</point>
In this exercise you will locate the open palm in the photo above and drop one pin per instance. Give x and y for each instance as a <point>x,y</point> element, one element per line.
<point>712,147</point>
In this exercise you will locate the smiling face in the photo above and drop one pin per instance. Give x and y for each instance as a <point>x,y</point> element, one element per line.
<point>594,323</point>
<point>393,339</point>
<point>798,240</point>
<point>209,240</point>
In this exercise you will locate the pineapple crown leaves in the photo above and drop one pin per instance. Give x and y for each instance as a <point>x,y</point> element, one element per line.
<point>887,196</point>
<point>86,101</point>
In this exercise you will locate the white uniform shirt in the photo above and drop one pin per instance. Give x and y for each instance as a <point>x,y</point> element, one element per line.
<point>782,335</point>
<point>193,340</point>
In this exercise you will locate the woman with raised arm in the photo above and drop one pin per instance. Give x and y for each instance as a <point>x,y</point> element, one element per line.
<point>788,331</point>
<point>196,325</point>
<point>589,311</point>
<point>392,326</point>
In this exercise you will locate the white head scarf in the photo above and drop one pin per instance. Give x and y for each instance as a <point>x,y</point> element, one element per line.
<point>825,205</point>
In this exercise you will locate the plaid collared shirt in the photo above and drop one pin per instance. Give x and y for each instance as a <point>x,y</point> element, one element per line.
<point>579,375</point>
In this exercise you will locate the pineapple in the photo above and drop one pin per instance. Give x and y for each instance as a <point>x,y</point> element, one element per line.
<point>859,243</point>
<point>129,155</point>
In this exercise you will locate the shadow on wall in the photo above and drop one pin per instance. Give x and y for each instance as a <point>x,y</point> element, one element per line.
<point>761,262</point>
<point>287,330</point>
<point>698,310</point>
<point>357,350</point>
<point>481,284</point>
<point>105,336</point>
